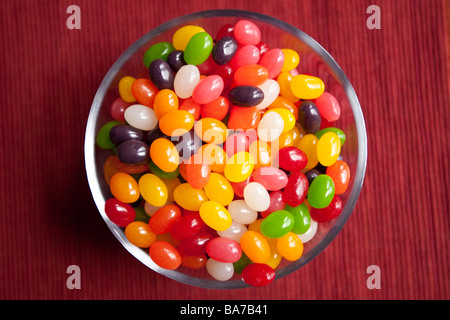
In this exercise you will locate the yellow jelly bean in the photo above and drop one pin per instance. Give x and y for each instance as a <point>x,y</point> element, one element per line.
<point>189,198</point>
<point>287,116</point>
<point>239,166</point>
<point>215,215</point>
<point>182,36</point>
<point>255,246</point>
<point>308,144</point>
<point>153,190</point>
<point>176,123</point>
<point>275,256</point>
<point>216,156</point>
<point>164,154</point>
<point>171,184</point>
<point>290,246</point>
<point>125,89</point>
<point>307,87</point>
<point>211,130</point>
<point>219,189</point>
<point>291,59</point>
<point>328,148</point>
<point>284,79</point>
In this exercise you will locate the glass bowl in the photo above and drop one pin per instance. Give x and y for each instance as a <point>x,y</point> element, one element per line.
<point>277,34</point>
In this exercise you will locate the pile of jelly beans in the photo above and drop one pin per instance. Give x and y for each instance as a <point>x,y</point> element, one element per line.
<point>225,157</point>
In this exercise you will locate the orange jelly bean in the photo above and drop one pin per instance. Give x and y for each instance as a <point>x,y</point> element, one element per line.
<point>165,255</point>
<point>251,75</point>
<point>144,91</point>
<point>124,188</point>
<point>255,246</point>
<point>290,246</point>
<point>165,101</point>
<point>140,234</point>
<point>164,154</point>
<point>339,172</point>
<point>211,130</point>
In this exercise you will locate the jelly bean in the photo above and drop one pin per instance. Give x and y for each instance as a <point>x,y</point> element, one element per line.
<point>255,246</point>
<point>165,255</point>
<point>215,215</point>
<point>241,213</point>
<point>224,50</point>
<point>292,159</point>
<point>246,32</point>
<point>270,127</point>
<point>277,202</point>
<point>258,274</point>
<point>188,197</point>
<point>133,152</point>
<point>153,190</point>
<point>256,196</point>
<point>181,37</point>
<point>164,219</point>
<point>103,139</point>
<point>187,144</point>
<point>224,249</point>
<point>216,109</point>
<point>273,179</point>
<point>241,263</point>
<point>284,80</point>
<point>193,262</point>
<point>124,86</point>
<point>211,130</point>
<point>154,134</point>
<point>151,209</point>
<point>140,234</point>
<point>171,184</point>
<point>129,168</point>
<point>255,226</point>
<point>277,224</point>
<point>251,75</point>
<point>122,132</point>
<point>235,231</point>
<point>175,60</point>
<point>302,218</point>
<point>270,89</point>
<point>187,226</point>
<point>159,50</point>
<point>198,48</point>
<point>235,143</point>
<point>338,131</point>
<point>176,123</point>
<point>225,31</point>
<point>141,117</point>
<point>309,117</point>
<point>311,174</point>
<point>198,171</point>
<point>161,173</point>
<point>164,154</point>
<point>239,166</point>
<point>246,96</point>
<point>124,188</point>
<point>208,89</point>
<point>283,103</point>
<point>109,168</point>
<point>290,246</point>
<point>226,73</point>
<point>273,61</point>
<point>308,144</point>
<point>165,102</point>
<point>244,118</point>
<point>287,116</point>
<point>118,108</point>
<point>215,155</point>
<point>261,152</point>
<point>119,213</point>
<point>196,244</point>
<point>141,215</point>
<point>308,235</point>
<point>307,87</point>
<point>185,81</point>
<point>192,107</point>
<point>219,189</point>
<point>321,191</point>
<point>144,91</point>
<point>296,189</point>
<point>275,256</point>
<point>291,59</point>
<point>330,212</point>
<point>207,68</point>
<point>339,172</point>
<point>239,187</point>
<point>328,106</point>
<point>221,271</point>
<point>328,149</point>
<point>245,55</point>
<point>161,74</point>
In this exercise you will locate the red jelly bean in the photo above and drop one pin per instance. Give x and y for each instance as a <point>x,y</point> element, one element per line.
<point>263,48</point>
<point>224,249</point>
<point>333,210</point>
<point>198,171</point>
<point>118,108</point>
<point>165,255</point>
<point>296,189</point>
<point>258,274</point>
<point>244,118</point>
<point>226,73</point>
<point>328,106</point>
<point>119,213</point>
<point>245,55</point>
<point>246,32</point>
<point>216,109</point>
<point>273,179</point>
<point>277,202</point>
<point>239,187</point>
<point>292,159</point>
<point>187,226</point>
<point>196,244</point>
<point>163,220</point>
<point>225,31</point>
<point>273,61</point>
<point>192,107</point>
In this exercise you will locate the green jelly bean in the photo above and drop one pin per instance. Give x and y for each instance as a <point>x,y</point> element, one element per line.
<point>159,50</point>
<point>103,140</point>
<point>321,191</point>
<point>277,224</point>
<point>339,133</point>
<point>198,48</point>
<point>141,215</point>
<point>157,171</point>
<point>302,218</point>
<point>241,263</point>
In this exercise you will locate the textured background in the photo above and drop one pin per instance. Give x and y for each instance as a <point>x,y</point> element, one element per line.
<point>49,76</point>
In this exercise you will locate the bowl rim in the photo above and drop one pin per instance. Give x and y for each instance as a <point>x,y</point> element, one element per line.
<point>90,149</point>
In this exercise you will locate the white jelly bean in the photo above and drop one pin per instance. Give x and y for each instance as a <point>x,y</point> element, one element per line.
<point>271,90</point>
<point>308,235</point>
<point>270,127</point>
<point>186,79</point>
<point>141,117</point>
<point>241,212</point>
<point>235,231</point>
<point>256,196</point>
<point>221,271</point>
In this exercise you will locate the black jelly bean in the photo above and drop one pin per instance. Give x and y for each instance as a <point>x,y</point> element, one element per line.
<point>311,175</point>
<point>161,74</point>
<point>154,134</point>
<point>175,60</point>
<point>122,132</point>
<point>246,96</point>
<point>224,50</point>
<point>309,117</point>
<point>133,152</point>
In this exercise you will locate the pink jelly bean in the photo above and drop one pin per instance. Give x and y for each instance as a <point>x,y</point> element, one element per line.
<point>235,143</point>
<point>246,32</point>
<point>224,250</point>
<point>208,89</point>
<point>245,55</point>
<point>273,61</point>
<point>328,106</point>
<point>277,202</point>
<point>273,179</point>
<point>118,108</point>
